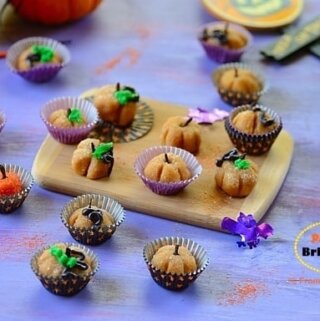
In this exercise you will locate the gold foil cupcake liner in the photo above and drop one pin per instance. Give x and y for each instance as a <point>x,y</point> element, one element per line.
<point>72,135</point>
<point>174,281</point>
<point>234,98</point>
<point>66,286</point>
<point>252,144</point>
<point>93,235</point>
<point>10,203</point>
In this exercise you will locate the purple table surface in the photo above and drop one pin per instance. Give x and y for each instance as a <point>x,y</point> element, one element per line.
<point>154,48</point>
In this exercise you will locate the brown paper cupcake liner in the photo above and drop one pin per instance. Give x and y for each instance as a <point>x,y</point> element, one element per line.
<point>9,204</point>
<point>173,281</point>
<point>41,73</point>
<point>219,53</point>
<point>93,236</point>
<point>236,98</point>
<point>255,144</point>
<point>2,120</point>
<point>66,286</point>
<point>167,188</point>
<point>71,135</point>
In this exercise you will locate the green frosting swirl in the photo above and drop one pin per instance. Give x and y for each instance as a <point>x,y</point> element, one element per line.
<point>62,258</point>
<point>75,116</point>
<point>125,96</point>
<point>46,54</point>
<point>102,149</point>
<point>242,164</point>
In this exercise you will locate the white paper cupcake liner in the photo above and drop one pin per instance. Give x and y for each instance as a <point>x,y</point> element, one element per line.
<point>2,120</point>
<point>166,188</point>
<point>218,53</point>
<point>174,281</point>
<point>10,203</point>
<point>93,236</point>
<point>66,286</point>
<point>71,135</point>
<point>43,72</point>
<point>236,98</point>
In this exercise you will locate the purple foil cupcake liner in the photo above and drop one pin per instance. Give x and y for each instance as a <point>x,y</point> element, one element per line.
<point>170,281</point>
<point>72,284</point>
<point>2,120</point>
<point>93,236</point>
<point>252,144</point>
<point>220,54</point>
<point>41,73</point>
<point>167,188</point>
<point>233,98</point>
<point>10,203</point>
<point>71,135</point>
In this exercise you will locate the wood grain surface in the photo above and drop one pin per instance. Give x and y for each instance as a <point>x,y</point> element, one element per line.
<point>204,204</point>
<point>153,47</point>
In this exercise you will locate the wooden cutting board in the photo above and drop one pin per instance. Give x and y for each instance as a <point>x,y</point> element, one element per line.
<point>199,204</point>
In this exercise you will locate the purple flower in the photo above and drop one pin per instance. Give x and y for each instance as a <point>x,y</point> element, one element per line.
<point>203,116</point>
<point>246,226</point>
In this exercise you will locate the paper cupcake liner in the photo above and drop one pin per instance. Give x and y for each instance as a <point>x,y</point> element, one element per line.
<point>166,188</point>
<point>2,120</point>
<point>44,72</point>
<point>75,134</point>
<point>233,98</point>
<point>255,144</point>
<point>70,285</point>
<point>93,236</point>
<point>220,54</point>
<point>8,204</point>
<point>173,281</point>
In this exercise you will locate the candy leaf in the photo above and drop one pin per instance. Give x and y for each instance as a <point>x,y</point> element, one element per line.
<point>102,149</point>
<point>46,54</point>
<point>125,96</point>
<point>75,116</point>
<point>242,164</point>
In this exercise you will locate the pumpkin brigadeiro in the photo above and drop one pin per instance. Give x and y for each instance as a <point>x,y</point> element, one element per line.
<point>36,56</point>
<point>181,132</point>
<point>117,104</point>
<point>239,80</point>
<point>67,118</point>
<point>174,259</point>
<point>167,168</point>
<point>254,121</point>
<point>86,217</point>
<point>235,175</point>
<point>93,159</point>
<point>10,183</point>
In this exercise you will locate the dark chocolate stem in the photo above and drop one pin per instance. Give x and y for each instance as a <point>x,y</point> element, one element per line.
<point>232,155</point>
<point>166,158</point>
<point>90,202</point>
<point>93,147</point>
<point>176,249</point>
<point>189,120</point>
<point>117,86</point>
<point>236,72</point>
<point>3,172</point>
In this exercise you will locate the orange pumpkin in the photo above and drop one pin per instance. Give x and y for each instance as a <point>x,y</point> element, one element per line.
<point>54,12</point>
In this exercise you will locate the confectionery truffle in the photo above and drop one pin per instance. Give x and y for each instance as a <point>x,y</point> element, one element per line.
<point>174,259</point>
<point>10,182</point>
<point>117,104</point>
<point>90,216</point>
<point>36,56</point>
<point>181,132</point>
<point>240,81</point>
<point>167,168</point>
<point>254,121</point>
<point>67,118</point>
<point>235,175</point>
<point>60,261</point>
<point>93,159</point>
<point>225,37</point>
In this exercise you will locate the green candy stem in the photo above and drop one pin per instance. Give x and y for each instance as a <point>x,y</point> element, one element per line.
<point>124,96</point>
<point>102,149</point>
<point>75,116</point>
<point>46,54</point>
<point>62,258</point>
<point>242,164</point>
